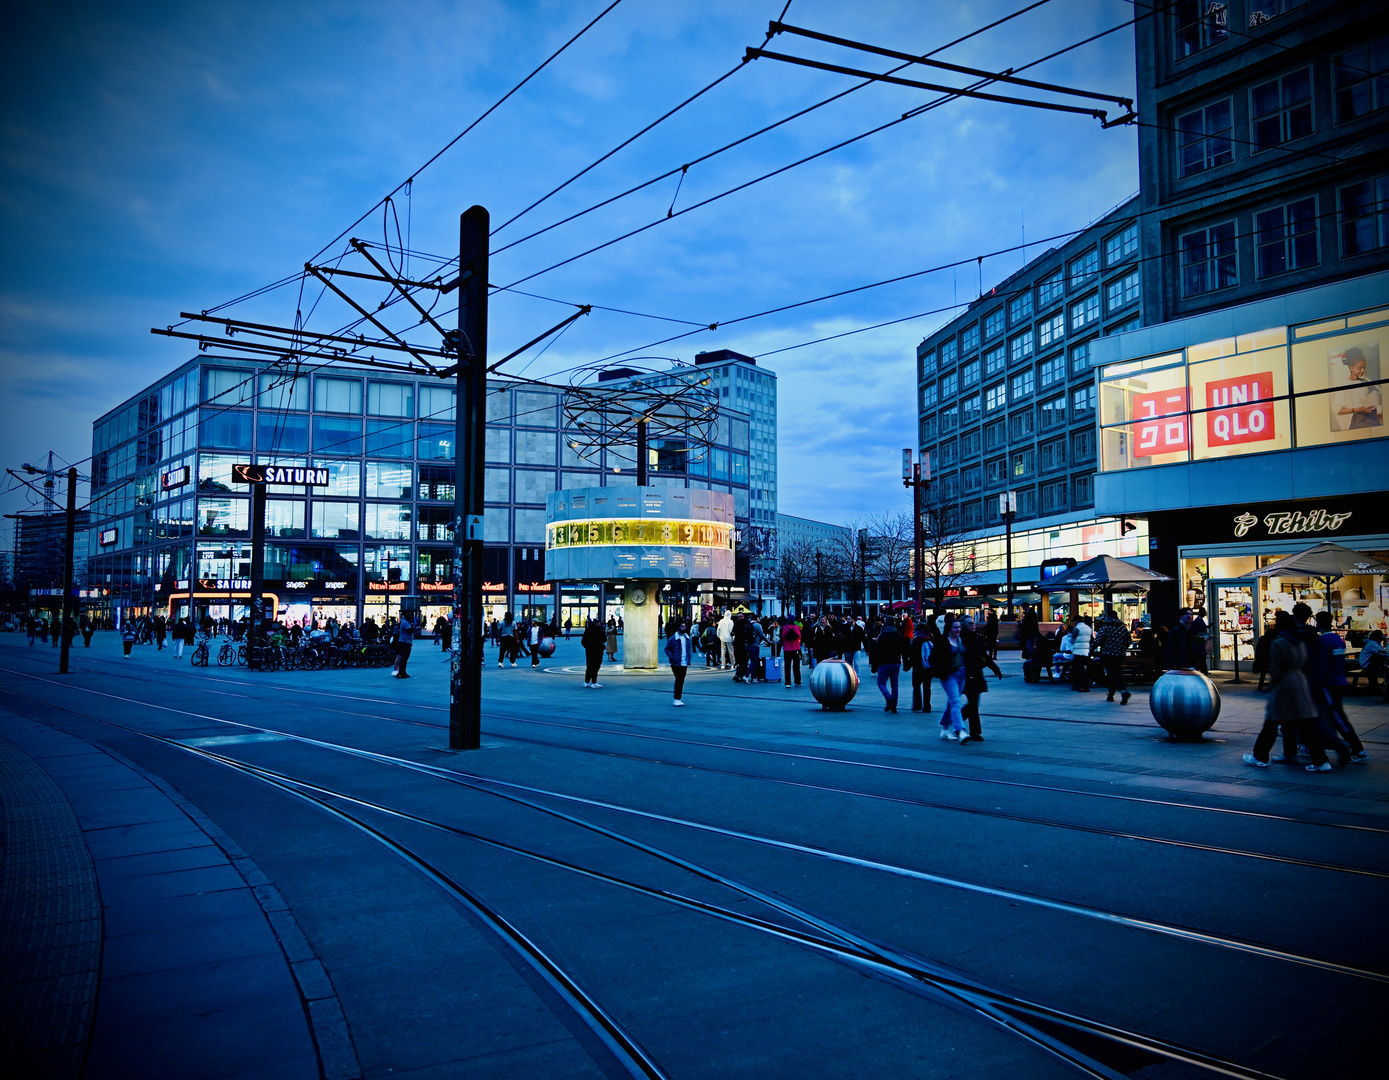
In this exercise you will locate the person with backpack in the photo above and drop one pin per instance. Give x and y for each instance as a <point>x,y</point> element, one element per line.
<point>790,650</point>
<point>1333,650</point>
<point>1112,644</point>
<point>919,661</point>
<point>1289,706</point>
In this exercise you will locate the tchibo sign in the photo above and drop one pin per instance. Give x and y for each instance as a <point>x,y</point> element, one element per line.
<point>292,475</point>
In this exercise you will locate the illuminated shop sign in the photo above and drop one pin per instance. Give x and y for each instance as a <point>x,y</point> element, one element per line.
<point>494,586</point>
<point>175,478</point>
<point>296,476</point>
<point>1242,410</point>
<point>107,537</point>
<point>658,532</point>
<point>435,586</point>
<point>533,586</point>
<point>386,586</point>
<point>224,584</point>
<point>1291,522</point>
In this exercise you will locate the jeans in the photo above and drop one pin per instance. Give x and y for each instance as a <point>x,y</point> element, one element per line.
<point>1305,729</point>
<point>1114,674</point>
<point>1080,672</point>
<point>852,657</point>
<point>953,717</point>
<point>755,654</point>
<point>593,660</point>
<point>887,677</point>
<point>921,689</point>
<point>791,658</point>
<point>679,670</point>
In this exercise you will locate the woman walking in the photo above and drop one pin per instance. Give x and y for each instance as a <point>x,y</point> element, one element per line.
<point>679,652</point>
<point>948,665</point>
<point>1289,704</point>
<point>593,641</point>
<point>977,658</point>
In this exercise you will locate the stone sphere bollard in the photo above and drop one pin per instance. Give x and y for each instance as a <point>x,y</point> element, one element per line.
<point>1185,703</point>
<point>834,684</point>
<point>547,647</point>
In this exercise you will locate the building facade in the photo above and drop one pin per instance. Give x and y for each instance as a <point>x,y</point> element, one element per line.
<point>40,554</point>
<point>171,526</point>
<point>1262,149</point>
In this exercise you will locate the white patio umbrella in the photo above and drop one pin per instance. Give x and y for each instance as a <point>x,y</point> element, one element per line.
<point>1326,562</point>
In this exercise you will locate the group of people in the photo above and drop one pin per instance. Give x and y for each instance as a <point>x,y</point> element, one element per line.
<point>1306,670</point>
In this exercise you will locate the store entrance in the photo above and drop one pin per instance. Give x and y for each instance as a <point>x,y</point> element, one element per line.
<point>1232,624</point>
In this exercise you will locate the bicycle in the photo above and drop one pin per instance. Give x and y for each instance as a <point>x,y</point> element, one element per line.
<point>226,655</point>
<point>199,657</point>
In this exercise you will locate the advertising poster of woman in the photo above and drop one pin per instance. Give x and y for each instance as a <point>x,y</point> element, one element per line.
<point>1359,404</point>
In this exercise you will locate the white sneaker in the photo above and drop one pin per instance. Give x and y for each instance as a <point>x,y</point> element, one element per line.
<point>946,735</point>
<point>1250,759</point>
<point>596,686</point>
<point>679,704</point>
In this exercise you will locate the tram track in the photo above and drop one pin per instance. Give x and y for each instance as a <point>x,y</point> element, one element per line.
<point>1091,1047</point>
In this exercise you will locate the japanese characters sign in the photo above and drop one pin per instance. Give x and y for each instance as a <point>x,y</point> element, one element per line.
<point>1160,423</point>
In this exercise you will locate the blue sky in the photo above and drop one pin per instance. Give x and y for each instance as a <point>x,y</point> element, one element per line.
<point>166,157</point>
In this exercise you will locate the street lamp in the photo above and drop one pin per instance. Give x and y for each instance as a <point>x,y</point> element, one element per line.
<point>918,478</point>
<point>1007,509</point>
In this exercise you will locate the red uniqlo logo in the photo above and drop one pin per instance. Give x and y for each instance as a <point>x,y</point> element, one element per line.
<point>1160,423</point>
<point>1237,422</point>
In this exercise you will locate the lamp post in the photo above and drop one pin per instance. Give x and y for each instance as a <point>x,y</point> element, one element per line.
<point>917,477</point>
<point>1007,509</point>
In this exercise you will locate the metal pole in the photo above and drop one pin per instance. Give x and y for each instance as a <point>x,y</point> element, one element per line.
<point>254,619</point>
<point>641,452</point>
<point>918,545</point>
<point>465,678</point>
<point>1008,548</point>
<point>65,641</point>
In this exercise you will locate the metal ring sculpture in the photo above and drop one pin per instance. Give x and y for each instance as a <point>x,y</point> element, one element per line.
<point>675,405</point>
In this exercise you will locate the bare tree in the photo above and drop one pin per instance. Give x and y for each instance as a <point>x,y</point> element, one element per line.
<point>890,550</point>
<point>795,574</point>
<point>852,551</point>
<point>947,555</point>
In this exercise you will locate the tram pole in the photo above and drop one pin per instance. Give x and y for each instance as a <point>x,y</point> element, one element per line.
<point>66,637</point>
<point>465,681</point>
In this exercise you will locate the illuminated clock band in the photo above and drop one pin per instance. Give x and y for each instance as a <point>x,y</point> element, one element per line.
<point>651,532</point>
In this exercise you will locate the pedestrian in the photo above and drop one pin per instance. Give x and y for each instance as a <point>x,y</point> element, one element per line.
<point>127,637</point>
<point>724,633</point>
<point>948,665</point>
<point>441,626</point>
<point>1182,643</point>
<point>790,651</point>
<point>856,642</point>
<point>977,658</point>
<point>991,633</point>
<point>568,625</point>
<point>756,638</point>
<point>1028,631</point>
<point>1112,644</point>
<point>1314,668</point>
<point>405,640</point>
<point>919,655</point>
<point>446,635</point>
<point>535,635</point>
<point>508,649</point>
<point>1289,705</point>
<point>1260,664</point>
<point>740,649</point>
<point>679,651</point>
<point>612,640</point>
<point>888,649</point>
<point>161,627</point>
<point>1080,655</point>
<point>87,631</point>
<point>1334,666</point>
<point>592,640</point>
<point>1200,639</point>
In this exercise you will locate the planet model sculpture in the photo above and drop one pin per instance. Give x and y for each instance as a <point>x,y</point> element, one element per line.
<point>1185,703</point>
<point>834,684</point>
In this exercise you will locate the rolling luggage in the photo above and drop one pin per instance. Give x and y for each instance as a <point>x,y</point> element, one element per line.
<point>774,668</point>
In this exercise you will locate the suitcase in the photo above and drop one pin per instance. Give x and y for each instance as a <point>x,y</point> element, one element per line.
<point>774,669</point>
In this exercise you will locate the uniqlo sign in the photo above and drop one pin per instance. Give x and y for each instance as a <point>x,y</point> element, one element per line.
<point>1244,410</point>
<point>1160,423</point>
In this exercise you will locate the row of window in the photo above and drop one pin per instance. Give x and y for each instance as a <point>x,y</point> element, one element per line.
<point>1199,24</point>
<point>1050,372</point>
<point>1281,110</point>
<point>1052,497</point>
<point>1078,448</point>
<point>1286,238</point>
<point>1052,412</point>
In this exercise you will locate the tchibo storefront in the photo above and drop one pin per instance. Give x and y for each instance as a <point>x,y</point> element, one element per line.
<point>1247,435</point>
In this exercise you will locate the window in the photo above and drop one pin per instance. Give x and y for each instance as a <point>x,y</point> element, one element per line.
<point>1083,403</point>
<point>1124,327</point>
<point>222,386</point>
<point>969,340</point>
<point>1085,311</point>
<point>949,419</point>
<point>949,388</point>
<point>994,360</point>
<point>1020,348</point>
<point>1282,109</point>
<point>337,395</point>
<point>1080,358</point>
<point>1365,216</point>
<point>1121,291</point>
<point>928,396</point>
<point>926,430</point>
<point>337,435</point>
<point>970,516</point>
<point>390,399</point>
<point>224,430</point>
<point>972,480</point>
<point>1121,245</point>
<point>435,443</point>
<point>1083,445</point>
<point>1208,259</point>
<point>997,472</point>
<point>1022,385</point>
<point>969,374</point>
<point>1053,455</point>
<point>1084,489</point>
<point>1021,425</point>
<point>284,392</point>
<point>1261,11</point>
<point>1051,330</point>
<point>282,433</point>
<point>1285,238</point>
<point>1361,80</point>
<point>1083,269</point>
<point>1199,25</point>
<point>993,323</point>
<point>1053,412</point>
<point>969,411</point>
<point>335,521</point>
<point>1053,370</point>
<point>995,436</point>
<point>390,438</point>
<point>1020,308</point>
<point>1203,138</point>
<point>1050,289</point>
<point>1023,463</point>
<point>946,353</point>
<point>925,364</point>
<point>994,397</point>
<point>969,444</point>
<point>1054,496</point>
<point>437,403</point>
<point>389,481</point>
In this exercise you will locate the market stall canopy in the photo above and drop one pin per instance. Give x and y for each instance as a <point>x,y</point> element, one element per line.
<point>1327,561</point>
<point>1103,572</point>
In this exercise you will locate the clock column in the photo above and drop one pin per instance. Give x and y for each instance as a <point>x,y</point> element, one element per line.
<point>641,617</point>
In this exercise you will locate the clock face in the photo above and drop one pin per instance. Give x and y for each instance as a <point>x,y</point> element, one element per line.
<point>638,595</point>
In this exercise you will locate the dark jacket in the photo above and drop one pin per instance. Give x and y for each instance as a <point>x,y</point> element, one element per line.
<point>943,657</point>
<point>889,646</point>
<point>1183,647</point>
<point>1111,639</point>
<point>1288,697</point>
<point>594,638</point>
<point>977,659</point>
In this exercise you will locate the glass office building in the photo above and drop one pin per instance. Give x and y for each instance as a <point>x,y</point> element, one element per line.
<point>171,526</point>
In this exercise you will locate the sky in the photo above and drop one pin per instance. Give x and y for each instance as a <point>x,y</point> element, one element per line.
<point>169,157</point>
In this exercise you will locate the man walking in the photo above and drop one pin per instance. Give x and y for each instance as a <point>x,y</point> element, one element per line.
<point>1028,631</point>
<point>887,652</point>
<point>725,636</point>
<point>991,633</point>
<point>919,652</point>
<point>593,641</point>
<point>977,658</point>
<point>1112,644</point>
<point>509,650</point>
<point>405,641</point>
<point>790,650</point>
<point>679,651</point>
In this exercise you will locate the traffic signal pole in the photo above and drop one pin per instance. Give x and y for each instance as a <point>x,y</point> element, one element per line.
<point>465,683</point>
<point>65,639</point>
<point>255,621</point>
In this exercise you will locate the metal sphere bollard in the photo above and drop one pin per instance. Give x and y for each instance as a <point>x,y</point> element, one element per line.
<point>1185,703</point>
<point>834,684</point>
<point>547,647</point>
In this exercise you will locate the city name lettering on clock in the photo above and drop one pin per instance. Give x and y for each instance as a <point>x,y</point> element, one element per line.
<point>1290,522</point>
